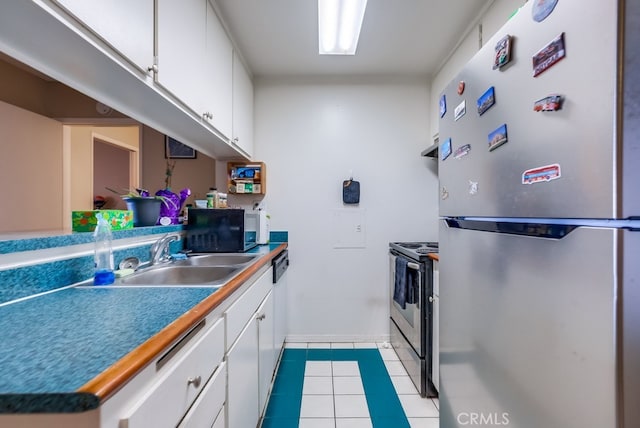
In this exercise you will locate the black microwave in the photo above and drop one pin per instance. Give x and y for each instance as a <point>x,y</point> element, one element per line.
<point>224,230</point>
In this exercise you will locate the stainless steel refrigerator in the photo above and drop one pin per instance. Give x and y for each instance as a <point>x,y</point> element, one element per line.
<point>539,235</point>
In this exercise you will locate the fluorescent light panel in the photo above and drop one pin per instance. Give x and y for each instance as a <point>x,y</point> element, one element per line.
<point>339,24</point>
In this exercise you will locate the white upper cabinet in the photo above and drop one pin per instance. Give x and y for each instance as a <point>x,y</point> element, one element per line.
<point>242,107</point>
<point>195,60</point>
<point>217,89</point>
<point>189,86</point>
<point>181,46</point>
<point>125,25</point>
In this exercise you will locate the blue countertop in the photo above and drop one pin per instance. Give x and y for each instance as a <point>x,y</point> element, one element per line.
<point>58,342</point>
<point>55,343</point>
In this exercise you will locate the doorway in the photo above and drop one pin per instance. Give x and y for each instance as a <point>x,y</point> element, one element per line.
<point>96,157</point>
<point>111,169</point>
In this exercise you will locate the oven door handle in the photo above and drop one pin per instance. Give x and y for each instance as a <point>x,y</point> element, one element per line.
<point>414,266</point>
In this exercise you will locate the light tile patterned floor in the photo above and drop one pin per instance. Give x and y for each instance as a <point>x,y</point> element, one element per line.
<point>346,385</point>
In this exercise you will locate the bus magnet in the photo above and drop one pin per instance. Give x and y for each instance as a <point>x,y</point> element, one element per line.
<point>540,174</point>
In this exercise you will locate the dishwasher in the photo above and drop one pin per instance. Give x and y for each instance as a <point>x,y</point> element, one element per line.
<point>280,264</point>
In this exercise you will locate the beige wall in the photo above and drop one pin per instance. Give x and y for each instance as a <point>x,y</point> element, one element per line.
<point>39,94</point>
<point>36,93</point>
<point>79,149</point>
<point>31,171</point>
<point>197,174</point>
<point>22,89</point>
<point>64,102</point>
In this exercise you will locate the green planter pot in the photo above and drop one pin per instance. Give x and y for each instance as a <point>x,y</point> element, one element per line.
<point>146,211</point>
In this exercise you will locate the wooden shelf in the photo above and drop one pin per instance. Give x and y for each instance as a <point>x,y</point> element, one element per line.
<point>248,178</point>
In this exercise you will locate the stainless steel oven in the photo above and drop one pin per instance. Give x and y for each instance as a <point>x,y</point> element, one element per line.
<point>412,325</point>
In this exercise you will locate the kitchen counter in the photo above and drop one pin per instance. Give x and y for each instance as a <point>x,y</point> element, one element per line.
<point>69,350</point>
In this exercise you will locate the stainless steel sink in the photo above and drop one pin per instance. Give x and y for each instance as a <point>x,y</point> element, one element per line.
<point>198,270</point>
<point>217,259</point>
<point>175,275</point>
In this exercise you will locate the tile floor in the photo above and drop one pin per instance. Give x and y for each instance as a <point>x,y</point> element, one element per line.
<point>345,385</point>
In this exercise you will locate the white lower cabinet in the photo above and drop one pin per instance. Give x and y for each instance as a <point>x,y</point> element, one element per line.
<point>221,420</point>
<point>251,359</point>
<point>242,379</point>
<point>266,353</point>
<point>183,373</point>
<point>210,403</point>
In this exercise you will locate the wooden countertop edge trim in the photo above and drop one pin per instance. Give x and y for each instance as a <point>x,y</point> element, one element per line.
<point>113,378</point>
<point>434,256</point>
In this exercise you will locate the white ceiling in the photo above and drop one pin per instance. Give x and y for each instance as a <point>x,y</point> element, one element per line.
<point>407,37</point>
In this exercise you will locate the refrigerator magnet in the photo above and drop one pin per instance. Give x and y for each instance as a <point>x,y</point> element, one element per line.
<point>542,8</point>
<point>497,137</point>
<point>503,52</point>
<point>486,100</point>
<point>461,87</point>
<point>549,103</point>
<point>462,151</point>
<point>543,173</point>
<point>445,149</point>
<point>443,106</point>
<point>549,55</point>
<point>444,193</point>
<point>460,110</point>
<point>473,187</point>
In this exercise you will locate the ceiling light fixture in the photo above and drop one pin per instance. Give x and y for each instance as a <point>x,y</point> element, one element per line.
<point>339,24</point>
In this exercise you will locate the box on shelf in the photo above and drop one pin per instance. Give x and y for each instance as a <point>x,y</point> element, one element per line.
<point>243,178</point>
<point>86,221</point>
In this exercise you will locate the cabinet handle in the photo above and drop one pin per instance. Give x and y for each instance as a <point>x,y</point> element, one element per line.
<point>261,317</point>
<point>173,351</point>
<point>207,115</point>
<point>236,139</point>
<point>195,381</point>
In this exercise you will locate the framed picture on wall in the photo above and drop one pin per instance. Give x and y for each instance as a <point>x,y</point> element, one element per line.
<point>174,149</point>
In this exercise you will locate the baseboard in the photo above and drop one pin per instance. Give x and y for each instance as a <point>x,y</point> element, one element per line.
<point>328,338</point>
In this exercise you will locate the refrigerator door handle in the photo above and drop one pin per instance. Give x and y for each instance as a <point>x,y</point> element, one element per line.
<point>540,230</point>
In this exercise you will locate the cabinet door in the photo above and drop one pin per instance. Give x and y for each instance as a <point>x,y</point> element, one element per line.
<point>266,361</point>
<point>179,382</point>
<point>245,307</point>
<point>125,25</point>
<point>207,407</point>
<point>181,45</point>
<point>242,107</point>
<point>217,78</point>
<point>221,421</point>
<point>242,379</point>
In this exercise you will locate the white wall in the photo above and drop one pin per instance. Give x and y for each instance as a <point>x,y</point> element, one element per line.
<point>311,134</point>
<point>491,21</point>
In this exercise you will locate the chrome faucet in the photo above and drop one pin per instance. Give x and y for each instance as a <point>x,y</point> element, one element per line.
<point>160,248</point>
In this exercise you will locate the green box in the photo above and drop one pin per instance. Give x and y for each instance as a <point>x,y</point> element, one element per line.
<point>86,221</point>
